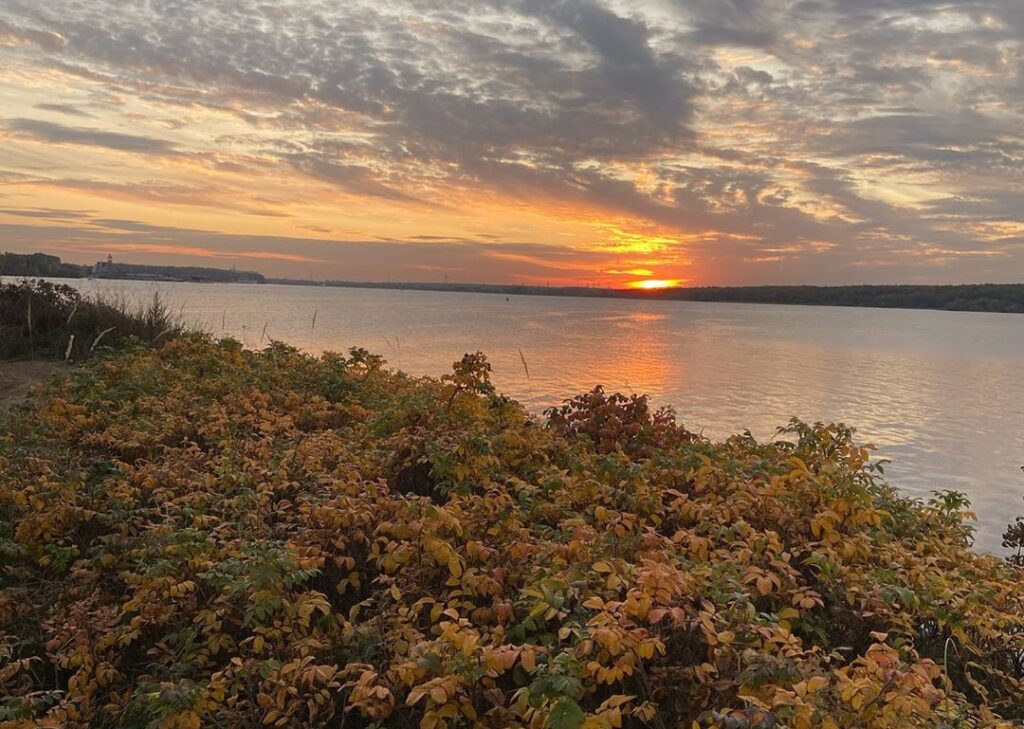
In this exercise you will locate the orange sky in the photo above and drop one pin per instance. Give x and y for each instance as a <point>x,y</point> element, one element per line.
<point>581,143</point>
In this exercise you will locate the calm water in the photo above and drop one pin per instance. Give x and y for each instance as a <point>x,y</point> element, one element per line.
<point>939,393</point>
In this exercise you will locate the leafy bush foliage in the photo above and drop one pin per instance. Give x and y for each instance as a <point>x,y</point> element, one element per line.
<point>48,320</point>
<point>1013,540</point>
<point>202,535</point>
<point>614,422</point>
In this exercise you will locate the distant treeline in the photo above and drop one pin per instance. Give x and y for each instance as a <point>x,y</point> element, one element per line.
<point>38,265</point>
<point>466,288</point>
<point>971,297</point>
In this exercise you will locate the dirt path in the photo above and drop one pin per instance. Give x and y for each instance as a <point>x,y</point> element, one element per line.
<point>17,378</point>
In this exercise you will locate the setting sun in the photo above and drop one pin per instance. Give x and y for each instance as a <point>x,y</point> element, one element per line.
<point>656,283</point>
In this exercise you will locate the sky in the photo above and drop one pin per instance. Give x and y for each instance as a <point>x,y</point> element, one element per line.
<point>570,142</point>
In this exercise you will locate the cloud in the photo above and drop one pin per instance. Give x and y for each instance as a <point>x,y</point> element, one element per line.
<point>196,193</point>
<point>60,134</point>
<point>351,178</point>
<point>750,130</point>
<point>91,238</point>
<point>199,252</point>
<point>626,60</point>
<point>67,109</point>
<point>52,214</point>
<point>15,35</point>
<point>730,22</point>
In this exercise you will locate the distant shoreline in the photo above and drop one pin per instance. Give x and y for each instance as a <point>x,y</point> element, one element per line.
<point>992,298</point>
<point>978,298</point>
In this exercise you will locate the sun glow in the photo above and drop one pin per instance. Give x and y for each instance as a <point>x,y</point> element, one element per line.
<point>655,283</point>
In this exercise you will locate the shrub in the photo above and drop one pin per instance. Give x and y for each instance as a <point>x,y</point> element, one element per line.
<point>1013,540</point>
<point>201,535</point>
<point>614,422</point>
<point>43,319</point>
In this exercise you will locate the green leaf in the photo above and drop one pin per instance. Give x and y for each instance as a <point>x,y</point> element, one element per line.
<point>566,714</point>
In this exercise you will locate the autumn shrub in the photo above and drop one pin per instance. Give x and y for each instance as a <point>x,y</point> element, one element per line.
<point>618,422</point>
<point>202,535</point>
<point>48,320</point>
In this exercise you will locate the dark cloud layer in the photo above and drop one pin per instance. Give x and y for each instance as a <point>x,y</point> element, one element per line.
<point>60,134</point>
<point>889,133</point>
<point>462,259</point>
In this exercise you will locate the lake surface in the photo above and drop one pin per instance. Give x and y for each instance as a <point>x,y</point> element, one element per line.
<point>940,393</point>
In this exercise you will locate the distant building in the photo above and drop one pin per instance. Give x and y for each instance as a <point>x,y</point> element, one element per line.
<point>101,267</point>
<point>194,274</point>
<point>39,265</point>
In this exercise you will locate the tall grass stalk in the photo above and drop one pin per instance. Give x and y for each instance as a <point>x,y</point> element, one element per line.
<point>526,367</point>
<point>99,338</point>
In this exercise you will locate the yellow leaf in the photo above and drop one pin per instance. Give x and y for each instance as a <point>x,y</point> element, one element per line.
<point>816,683</point>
